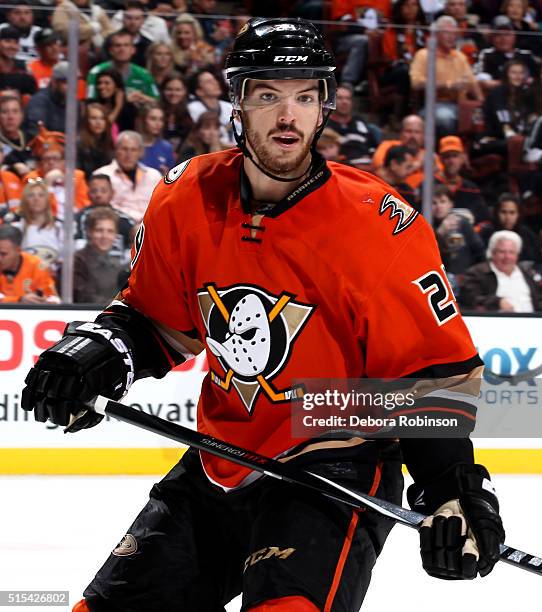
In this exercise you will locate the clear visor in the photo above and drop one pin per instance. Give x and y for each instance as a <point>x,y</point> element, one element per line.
<point>245,97</point>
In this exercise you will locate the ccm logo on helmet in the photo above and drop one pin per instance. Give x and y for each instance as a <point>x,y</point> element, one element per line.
<point>291,58</point>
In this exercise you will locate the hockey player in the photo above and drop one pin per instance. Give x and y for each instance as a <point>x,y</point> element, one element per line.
<point>282,267</point>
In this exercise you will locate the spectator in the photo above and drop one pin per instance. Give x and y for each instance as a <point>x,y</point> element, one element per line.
<point>49,52</point>
<point>110,93</point>
<point>518,13</point>
<point>160,62</point>
<point>48,106</point>
<point>96,270</point>
<point>24,278</point>
<point>155,27</point>
<point>100,192</point>
<point>203,138</point>
<point>500,284</point>
<point>329,145</point>
<point>138,83</point>
<point>454,77</point>
<point>42,233</point>
<point>205,7</point>
<point>399,45</point>
<point>397,167</point>
<point>207,89</point>
<point>491,61</point>
<point>133,182</point>
<point>412,136</point>
<point>465,194</point>
<point>94,24</point>
<point>509,110</point>
<point>190,51</point>
<point>507,216</point>
<point>469,39</point>
<point>158,152</point>
<point>19,15</point>
<point>133,18</point>
<point>10,193</point>
<point>460,247</point>
<point>359,141</point>
<point>17,154</point>
<point>48,148</point>
<point>13,72</point>
<point>95,145</point>
<point>178,122</point>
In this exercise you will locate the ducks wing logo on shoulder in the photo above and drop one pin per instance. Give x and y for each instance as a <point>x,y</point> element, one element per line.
<point>405,213</point>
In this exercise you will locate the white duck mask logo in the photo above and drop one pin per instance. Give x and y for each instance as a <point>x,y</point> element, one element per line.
<point>251,332</point>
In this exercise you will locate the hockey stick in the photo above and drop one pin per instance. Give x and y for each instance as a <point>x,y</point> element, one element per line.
<point>283,471</point>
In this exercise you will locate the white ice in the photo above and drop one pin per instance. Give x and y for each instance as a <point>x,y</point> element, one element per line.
<point>56,531</point>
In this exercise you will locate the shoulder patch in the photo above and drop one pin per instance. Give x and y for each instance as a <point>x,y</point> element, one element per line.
<point>404,212</point>
<point>176,172</point>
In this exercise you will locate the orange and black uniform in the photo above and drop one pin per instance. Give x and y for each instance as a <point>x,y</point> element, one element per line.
<point>327,284</point>
<point>31,276</point>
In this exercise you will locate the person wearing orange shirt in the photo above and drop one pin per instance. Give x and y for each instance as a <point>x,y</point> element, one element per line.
<point>10,190</point>
<point>24,278</point>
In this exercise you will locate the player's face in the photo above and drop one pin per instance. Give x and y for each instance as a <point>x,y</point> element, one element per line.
<point>100,192</point>
<point>281,118</point>
<point>505,256</point>
<point>9,255</point>
<point>452,162</point>
<point>11,116</point>
<point>508,215</point>
<point>102,235</point>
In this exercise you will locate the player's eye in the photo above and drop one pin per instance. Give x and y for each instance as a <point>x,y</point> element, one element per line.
<point>268,97</point>
<point>306,99</point>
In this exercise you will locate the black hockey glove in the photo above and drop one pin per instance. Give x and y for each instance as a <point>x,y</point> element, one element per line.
<point>89,360</point>
<point>461,537</point>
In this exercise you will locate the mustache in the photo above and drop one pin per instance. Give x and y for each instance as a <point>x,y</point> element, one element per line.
<point>286,128</point>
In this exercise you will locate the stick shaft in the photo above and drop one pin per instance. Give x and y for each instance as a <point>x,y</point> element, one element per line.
<point>283,471</point>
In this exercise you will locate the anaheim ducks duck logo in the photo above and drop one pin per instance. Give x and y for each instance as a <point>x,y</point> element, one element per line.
<point>405,213</point>
<point>251,332</point>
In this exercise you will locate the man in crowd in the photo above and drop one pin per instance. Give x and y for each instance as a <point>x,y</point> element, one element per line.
<point>412,136</point>
<point>133,18</point>
<point>48,105</point>
<point>206,87</point>
<point>454,77</point>
<point>132,181</point>
<point>19,15</point>
<point>469,40</point>
<point>96,267</point>
<point>501,284</point>
<point>397,168</point>
<point>49,52</point>
<point>492,60</point>
<point>13,72</point>
<point>465,193</point>
<point>24,278</point>
<point>358,137</point>
<point>100,193</point>
<point>139,84</point>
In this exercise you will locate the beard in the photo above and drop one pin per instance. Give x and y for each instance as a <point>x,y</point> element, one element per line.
<point>280,163</point>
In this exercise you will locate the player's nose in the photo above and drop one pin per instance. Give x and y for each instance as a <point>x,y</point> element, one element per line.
<point>286,110</point>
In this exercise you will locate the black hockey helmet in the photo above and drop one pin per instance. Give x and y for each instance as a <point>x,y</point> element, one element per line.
<point>274,48</point>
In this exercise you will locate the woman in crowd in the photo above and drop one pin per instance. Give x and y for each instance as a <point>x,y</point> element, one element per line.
<point>95,145</point>
<point>399,44</point>
<point>158,152</point>
<point>524,23</point>
<point>191,53</point>
<point>160,61</point>
<point>508,110</point>
<point>507,216</point>
<point>203,138</point>
<point>48,149</point>
<point>42,233</point>
<point>110,93</point>
<point>173,99</point>
<point>13,141</point>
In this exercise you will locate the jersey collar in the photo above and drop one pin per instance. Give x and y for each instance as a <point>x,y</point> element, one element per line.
<point>319,175</point>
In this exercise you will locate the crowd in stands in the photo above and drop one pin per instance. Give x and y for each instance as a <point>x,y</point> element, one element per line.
<point>151,94</point>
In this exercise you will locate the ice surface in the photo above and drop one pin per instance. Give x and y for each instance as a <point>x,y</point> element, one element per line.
<point>55,532</point>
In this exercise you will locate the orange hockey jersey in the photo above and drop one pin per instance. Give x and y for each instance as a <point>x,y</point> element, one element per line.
<point>342,280</point>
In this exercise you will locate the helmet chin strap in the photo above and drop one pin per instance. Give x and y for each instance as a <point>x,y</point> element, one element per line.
<point>241,141</point>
